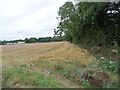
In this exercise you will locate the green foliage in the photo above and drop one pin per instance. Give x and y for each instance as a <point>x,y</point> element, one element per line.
<point>90,23</point>
<point>113,84</point>
<point>110,66</point>
<point>85,84</point>
<point>34,40</point>
<point>31,40</point>
<point>0,42</point>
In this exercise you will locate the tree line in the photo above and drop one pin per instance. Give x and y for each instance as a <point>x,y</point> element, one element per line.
<point>90,23</point>
<point>33,40</point>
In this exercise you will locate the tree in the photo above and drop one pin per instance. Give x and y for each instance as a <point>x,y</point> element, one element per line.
<point>90,23</point>
<point>26,40</point>
<point>32,40</point>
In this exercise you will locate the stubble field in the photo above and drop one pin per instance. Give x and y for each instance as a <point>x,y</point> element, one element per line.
<point>26,53</point>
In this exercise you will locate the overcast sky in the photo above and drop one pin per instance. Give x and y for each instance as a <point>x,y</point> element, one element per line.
<point>21,19</point>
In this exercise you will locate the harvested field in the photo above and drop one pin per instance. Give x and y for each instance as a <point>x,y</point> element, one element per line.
<point>26,53</point>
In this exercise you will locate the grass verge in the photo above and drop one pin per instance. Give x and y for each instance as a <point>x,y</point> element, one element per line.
<point>22,76</point>
<point>104,73</point>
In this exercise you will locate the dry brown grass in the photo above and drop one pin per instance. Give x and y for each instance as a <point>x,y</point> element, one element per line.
<point>26,53</point>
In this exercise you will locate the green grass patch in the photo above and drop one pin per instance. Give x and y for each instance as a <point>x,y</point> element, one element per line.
<point>22,76</point>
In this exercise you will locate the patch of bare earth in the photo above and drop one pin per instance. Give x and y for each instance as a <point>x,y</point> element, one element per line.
<point>66,83</point>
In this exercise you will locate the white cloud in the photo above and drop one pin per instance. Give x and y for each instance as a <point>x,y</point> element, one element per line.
<point>27,18</point>
<point>12,8</point>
